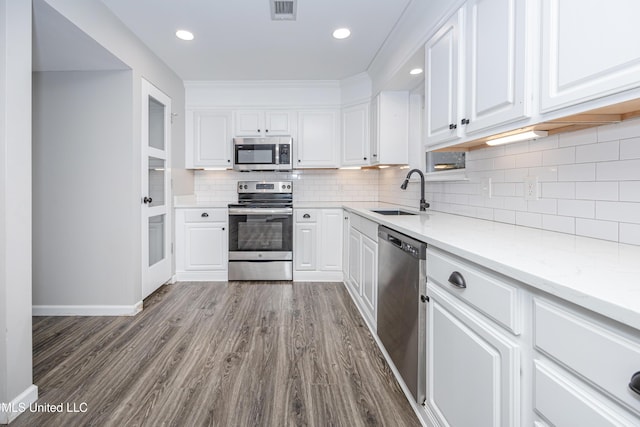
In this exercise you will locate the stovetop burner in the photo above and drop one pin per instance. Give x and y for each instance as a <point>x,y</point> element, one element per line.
<point>264,194</point>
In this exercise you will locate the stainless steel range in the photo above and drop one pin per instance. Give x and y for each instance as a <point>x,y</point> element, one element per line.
<point>261,231</point>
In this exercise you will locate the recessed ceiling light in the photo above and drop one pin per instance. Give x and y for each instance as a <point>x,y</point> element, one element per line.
<point>341,33</point>
<point>416,71</point>
<point>184,35</point>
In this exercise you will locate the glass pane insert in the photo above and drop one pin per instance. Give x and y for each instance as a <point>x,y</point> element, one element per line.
<point>156,239</point>
<point>156,124</point>
<point>156,181</point>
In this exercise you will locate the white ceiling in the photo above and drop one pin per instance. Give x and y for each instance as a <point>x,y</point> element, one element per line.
<point>237,40</point>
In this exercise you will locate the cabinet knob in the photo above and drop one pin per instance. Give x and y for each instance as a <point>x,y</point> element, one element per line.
<point>204,215</point>
<point>424,298</point>
<point>364,158</point>
<point>457,280</point>
<point>222,228</point>
<point>266,130</point>
<point>375,155</point>
<point>147,200</point>
<point>464,121</point>
<point>306,216</point>
<point>258,130</point>
<point>453,126</point>
<point>634,384</point>
<point>298,160</point>
<point>228,161</point>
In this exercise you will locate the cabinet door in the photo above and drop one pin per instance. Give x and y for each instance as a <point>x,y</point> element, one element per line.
<point>374,131</point>
<point>587,50</point>
<point>317,139</point>
<point>205,247</point>
<point>277,123</point>
<point>208,139</point>
<point>355,135</point>
<point>354,260</point>
<point>393,127</point>
<point>249,123</point>
<point>473,370</point>
<point>442,80</point>
<point>330,248</point>
<point>305,246</point>
<point>495,63</point>
<point>369,253</point>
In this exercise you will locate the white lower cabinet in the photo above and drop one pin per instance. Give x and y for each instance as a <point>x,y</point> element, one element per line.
<point>362,277</point>
<point>582,368</point>
<point>317,248</point>
<point>201,244</point>
<point>473,368</point>
<point>473,363</point>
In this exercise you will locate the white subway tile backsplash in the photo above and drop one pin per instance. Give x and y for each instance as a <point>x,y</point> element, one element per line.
<point>529,160</point>
<point>622,170</point>
<point>618,211</point>
<point>577,208</point>
<point>545,206</point>
<point>528,219</point>
<point>597,190</point>
<point>624,130</point>
<point>560,156</point>
<point>558,190</point>
<point>630,233</point>
<point>630,149</point>
<point>562,224</point>
<point>606,230</point>
<point>586,136</point>
<point>630,191</point>
<point>577,172</point>
<point>506,216</point>
<point>517,148</point>
<point>600,152</point>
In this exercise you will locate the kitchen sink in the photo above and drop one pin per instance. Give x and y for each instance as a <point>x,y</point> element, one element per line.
<point>392,212</point>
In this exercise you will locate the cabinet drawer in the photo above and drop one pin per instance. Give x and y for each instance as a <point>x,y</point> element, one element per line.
<point>307,215</point>
<point>596,352</point>
<point>485,290</point>
<point>564,402</point>
<point>205,215</point>
<point>365,226</point>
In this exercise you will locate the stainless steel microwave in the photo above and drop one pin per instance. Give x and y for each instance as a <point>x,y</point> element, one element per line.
<point>260,154</point>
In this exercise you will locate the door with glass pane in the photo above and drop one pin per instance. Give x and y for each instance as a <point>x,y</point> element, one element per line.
<point>155,198</point>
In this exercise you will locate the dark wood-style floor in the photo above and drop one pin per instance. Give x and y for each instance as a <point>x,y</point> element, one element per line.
<point>219,354</point>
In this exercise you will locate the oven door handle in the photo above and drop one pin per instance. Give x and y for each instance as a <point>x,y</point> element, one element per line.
<point>260,211</point>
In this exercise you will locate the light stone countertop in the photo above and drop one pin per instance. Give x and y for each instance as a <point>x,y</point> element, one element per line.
<point>598,275</point>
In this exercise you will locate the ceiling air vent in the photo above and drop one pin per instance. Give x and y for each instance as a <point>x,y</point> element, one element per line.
<point>283,10</point>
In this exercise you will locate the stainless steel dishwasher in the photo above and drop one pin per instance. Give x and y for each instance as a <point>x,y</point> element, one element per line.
<point>401,323</point>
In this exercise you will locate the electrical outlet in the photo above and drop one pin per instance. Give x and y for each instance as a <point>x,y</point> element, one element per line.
<point>531,188</point>
<point>485,188</point>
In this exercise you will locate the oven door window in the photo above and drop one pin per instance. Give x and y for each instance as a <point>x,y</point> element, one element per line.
<point>252,154</point>
<point>264,233</point>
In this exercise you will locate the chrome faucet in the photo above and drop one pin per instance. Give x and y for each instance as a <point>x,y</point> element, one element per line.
<point>423,203</point>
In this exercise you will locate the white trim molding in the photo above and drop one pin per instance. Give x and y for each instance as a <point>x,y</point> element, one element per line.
<point>9,411</point>
<point>87,310</point>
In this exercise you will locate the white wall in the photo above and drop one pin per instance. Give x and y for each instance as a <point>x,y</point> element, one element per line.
<point>15,205</point>
<point>82,192</point>
<point>122,168</point>
<point>589,184</point>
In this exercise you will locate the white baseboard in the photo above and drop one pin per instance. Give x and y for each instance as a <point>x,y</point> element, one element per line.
<point>202,276</point>
<point>10,411</point>
<point>317,276</point>
<point>87,310</point>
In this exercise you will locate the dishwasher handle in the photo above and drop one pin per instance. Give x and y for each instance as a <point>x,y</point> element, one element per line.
<point>394,241</point>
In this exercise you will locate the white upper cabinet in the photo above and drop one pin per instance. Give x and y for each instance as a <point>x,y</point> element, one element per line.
<point>441,81</point>
<point>390,128</point>
<point>476,70</point>
<point>208,138</point>
<point>494,63</point>
<point>318,139</point>
<point>263,123</point>
<point>589,50</point>
<point>355,135</point>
